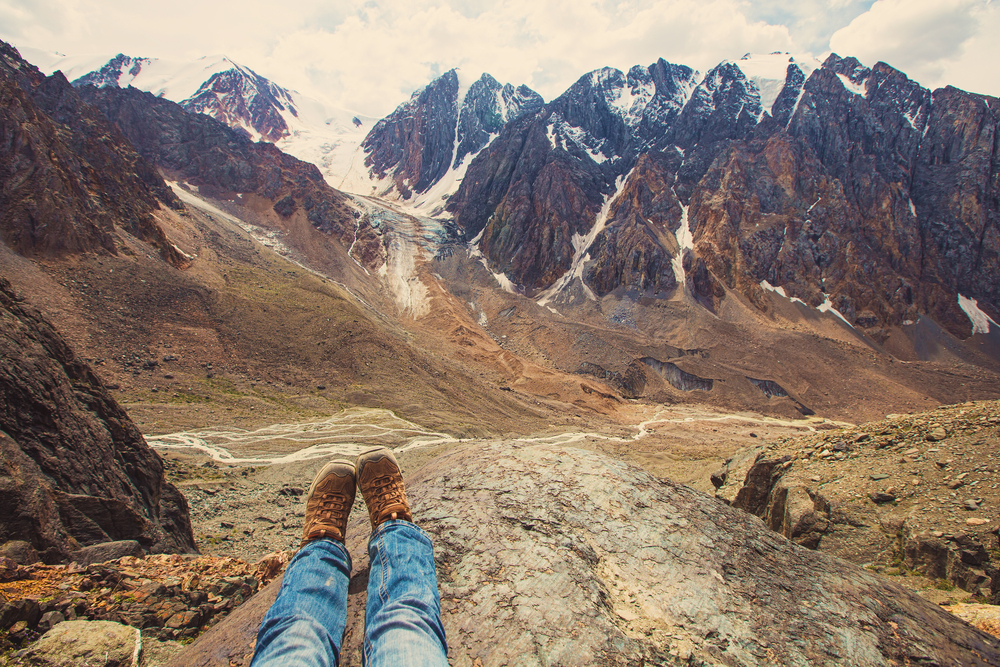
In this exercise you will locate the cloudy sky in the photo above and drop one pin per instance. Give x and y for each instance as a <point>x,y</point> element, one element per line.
<point>368,56</point>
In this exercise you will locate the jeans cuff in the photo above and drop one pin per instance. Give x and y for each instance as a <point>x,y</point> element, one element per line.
<point>325,544</point>
<point>401,525</point>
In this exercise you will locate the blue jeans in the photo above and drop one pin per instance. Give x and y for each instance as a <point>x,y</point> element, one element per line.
<point>305,625</point>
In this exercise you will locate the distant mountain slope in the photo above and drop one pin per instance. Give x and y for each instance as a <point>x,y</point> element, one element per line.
<point>419,153</point>
<point>209,154</point>
<point>851,189</point>
<point>300,124</point>
<point>68,179</point>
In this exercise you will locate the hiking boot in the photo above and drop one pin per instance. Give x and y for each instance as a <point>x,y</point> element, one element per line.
<point>329,502</point>
<point>381,484</point>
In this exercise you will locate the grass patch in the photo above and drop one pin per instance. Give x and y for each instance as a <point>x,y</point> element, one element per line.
<point>183,397</point>
<point>224,386</point>
<point>944,585</point>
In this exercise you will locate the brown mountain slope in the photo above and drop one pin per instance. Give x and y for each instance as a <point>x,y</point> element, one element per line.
<point>69,179</point>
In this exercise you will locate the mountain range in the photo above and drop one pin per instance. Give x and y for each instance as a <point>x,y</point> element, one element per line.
<point>660,213</point>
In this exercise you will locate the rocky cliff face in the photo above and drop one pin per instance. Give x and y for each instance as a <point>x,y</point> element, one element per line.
<point>209,154</point>
<point>535,193</point>
<point>851,188</point>
<point>911,489</point>
<point>74,469</point>
<point>68,179</point>
<point>438,130</point>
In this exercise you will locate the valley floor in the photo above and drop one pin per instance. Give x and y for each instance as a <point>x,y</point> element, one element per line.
<point>245,486</point>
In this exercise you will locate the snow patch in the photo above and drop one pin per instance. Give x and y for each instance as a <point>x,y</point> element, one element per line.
<point>856,88</point>
<point>980,321</point>
<point>771,288</point>
<point>581,244</point>
<point>768,72</point>
<point>630,104</point>
<point>182,253</point>
<point>827,307</point>
<point>561,133</point>
<point>685,241</point>
<point>913,209</point>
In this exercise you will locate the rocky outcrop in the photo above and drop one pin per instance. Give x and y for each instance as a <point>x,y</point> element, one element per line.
<point>74,469</point>
<point>906,492</point>
<point>68,179</point>
<point>549,555</point>
<point>80,642</point>
<point>206,153</point>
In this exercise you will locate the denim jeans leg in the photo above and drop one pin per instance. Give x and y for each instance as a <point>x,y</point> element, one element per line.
<point>305,625</point>
<point>403,613</point>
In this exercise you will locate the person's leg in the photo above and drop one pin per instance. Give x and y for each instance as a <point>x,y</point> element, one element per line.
<point>305,625</point>
<point>403,614</point>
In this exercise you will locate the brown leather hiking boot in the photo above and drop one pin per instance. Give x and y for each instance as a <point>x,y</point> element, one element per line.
<point>381,484</point>
<point>329,502</point>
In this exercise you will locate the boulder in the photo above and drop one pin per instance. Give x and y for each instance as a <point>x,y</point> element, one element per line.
<point>100,553</point>
<point>19,551</point>
<point>553,555</point>
<point>75,643</point>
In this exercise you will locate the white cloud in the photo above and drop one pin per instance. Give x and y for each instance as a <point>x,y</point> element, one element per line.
<point>369,55</point>
<point>935,42</point>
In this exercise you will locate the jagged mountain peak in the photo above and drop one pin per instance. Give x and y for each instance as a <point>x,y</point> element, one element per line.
<point>223,89</point>
<point>419,152</point>
<point>117,72</point>
<point>304,125</point>
<point>243,99</point>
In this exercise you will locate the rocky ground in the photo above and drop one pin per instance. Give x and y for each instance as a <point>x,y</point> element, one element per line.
<point>550,554</point>
<point>169,599</point>
<point>242,513</point>
<point>914,496</point>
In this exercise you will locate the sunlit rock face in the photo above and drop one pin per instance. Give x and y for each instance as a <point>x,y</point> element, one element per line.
<point>69,179</point>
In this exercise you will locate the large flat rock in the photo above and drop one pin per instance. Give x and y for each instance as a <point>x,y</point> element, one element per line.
<point>552,555</point>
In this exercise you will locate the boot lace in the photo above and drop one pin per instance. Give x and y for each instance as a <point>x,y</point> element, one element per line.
<point>387,491</point>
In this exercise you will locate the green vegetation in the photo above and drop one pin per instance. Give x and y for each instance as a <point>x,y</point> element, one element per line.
<point>224,386</point>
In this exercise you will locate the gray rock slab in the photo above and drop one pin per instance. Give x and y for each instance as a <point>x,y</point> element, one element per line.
<point>75,643</point>
<point>552,555</point>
